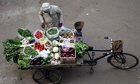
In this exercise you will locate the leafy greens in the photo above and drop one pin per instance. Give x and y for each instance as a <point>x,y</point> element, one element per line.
<point>12,49</point>
<point>23,62</point>
<point>81,48</point>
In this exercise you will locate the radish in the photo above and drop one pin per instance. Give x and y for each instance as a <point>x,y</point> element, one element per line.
<point>65,49</point>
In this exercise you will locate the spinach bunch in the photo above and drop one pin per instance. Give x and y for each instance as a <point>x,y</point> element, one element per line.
<point>30,51</point>
<point>25,32</point>
<point>52,31</point>
<point>81,48</point>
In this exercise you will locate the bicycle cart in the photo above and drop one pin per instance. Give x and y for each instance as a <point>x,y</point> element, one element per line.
<point>116,58</point>
<point>66,53</point>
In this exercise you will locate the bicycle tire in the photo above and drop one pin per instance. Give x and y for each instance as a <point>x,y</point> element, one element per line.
<point>124,61</point>
<point>51,76</point>
<point>38,76</point>
<point>55,76</point>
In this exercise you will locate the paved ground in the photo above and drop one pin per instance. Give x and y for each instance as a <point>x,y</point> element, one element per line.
<point>119,19</point>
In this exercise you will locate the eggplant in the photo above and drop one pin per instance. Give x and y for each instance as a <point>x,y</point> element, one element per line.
<point>32,41</point>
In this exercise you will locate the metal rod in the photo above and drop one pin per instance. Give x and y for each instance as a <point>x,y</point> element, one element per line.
<point>100,50</point>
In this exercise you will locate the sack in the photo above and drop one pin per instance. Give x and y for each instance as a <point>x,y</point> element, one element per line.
<point>117,46</point>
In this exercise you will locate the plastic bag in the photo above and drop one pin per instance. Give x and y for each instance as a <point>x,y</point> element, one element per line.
<point>20,36</point>
<point>22,33</point>
<point>66,33</point>
<point>48,44</point>
<point>33,53</point>
<point>38,34</point>
<point>52,33</point>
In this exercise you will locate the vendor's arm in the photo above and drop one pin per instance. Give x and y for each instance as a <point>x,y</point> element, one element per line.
<point>41,18</point>
<point>41,15</point>
<point>60,14</point>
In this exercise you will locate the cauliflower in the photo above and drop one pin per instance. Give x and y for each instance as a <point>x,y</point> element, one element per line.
<point>48,51</point>
<point>52,55</point>
<point>25,41</point>
<point>55,43</point>
<point>55,49</point>
<point>56,56</point>
<point>55,62</point>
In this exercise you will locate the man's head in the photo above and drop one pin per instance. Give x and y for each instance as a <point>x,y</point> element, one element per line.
<point>46,7</point>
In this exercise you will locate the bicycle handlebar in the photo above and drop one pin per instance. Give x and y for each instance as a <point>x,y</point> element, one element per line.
<point>105,37</point>
<point>110,40</point>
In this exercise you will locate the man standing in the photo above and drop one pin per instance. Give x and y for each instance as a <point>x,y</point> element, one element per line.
<point>50,16</point>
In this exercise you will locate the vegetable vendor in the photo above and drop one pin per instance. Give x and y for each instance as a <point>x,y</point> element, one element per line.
<point>50,16</point>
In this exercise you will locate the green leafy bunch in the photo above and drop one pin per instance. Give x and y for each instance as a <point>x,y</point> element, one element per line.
<point>30,51</point>
<point>23,62</point>
<point>12,49</point>
<point>25,32</point>
<point>81,48</point>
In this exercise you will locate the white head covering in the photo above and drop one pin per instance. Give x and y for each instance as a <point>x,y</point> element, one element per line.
<point>46,5</point>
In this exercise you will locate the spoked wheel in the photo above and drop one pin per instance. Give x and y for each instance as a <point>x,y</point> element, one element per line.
<point>51,76</point>
<point>124,61</point>
<point>39,76</point>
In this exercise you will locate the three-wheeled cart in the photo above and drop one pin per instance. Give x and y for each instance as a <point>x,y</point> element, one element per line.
<point>115,56</point>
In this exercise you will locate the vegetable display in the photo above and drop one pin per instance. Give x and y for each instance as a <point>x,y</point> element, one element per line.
<point>39,49</point>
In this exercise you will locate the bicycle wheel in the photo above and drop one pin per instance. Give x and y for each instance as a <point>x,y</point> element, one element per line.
<point>39,76</point>
<point>124,61</point>
<point>54,76</point>
<point>51,76</point>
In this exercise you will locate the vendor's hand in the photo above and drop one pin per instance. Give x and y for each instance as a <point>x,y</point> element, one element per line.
<point>60,24</point>
<point>43,25</point>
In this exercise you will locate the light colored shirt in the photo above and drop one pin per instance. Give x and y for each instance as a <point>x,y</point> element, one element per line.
<point>53,18</point>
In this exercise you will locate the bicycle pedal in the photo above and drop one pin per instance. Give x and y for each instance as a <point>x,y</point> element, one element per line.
<point>91,70</point>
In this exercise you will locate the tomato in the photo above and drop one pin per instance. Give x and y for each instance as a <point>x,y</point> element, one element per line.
<point>39,47</point>
<point>38,34</point>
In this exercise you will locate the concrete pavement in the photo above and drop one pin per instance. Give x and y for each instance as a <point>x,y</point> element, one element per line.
<point>119,19</point>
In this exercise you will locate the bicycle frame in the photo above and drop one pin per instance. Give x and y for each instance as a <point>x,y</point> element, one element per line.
<point>94,60</point>
<point>107,53</point>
